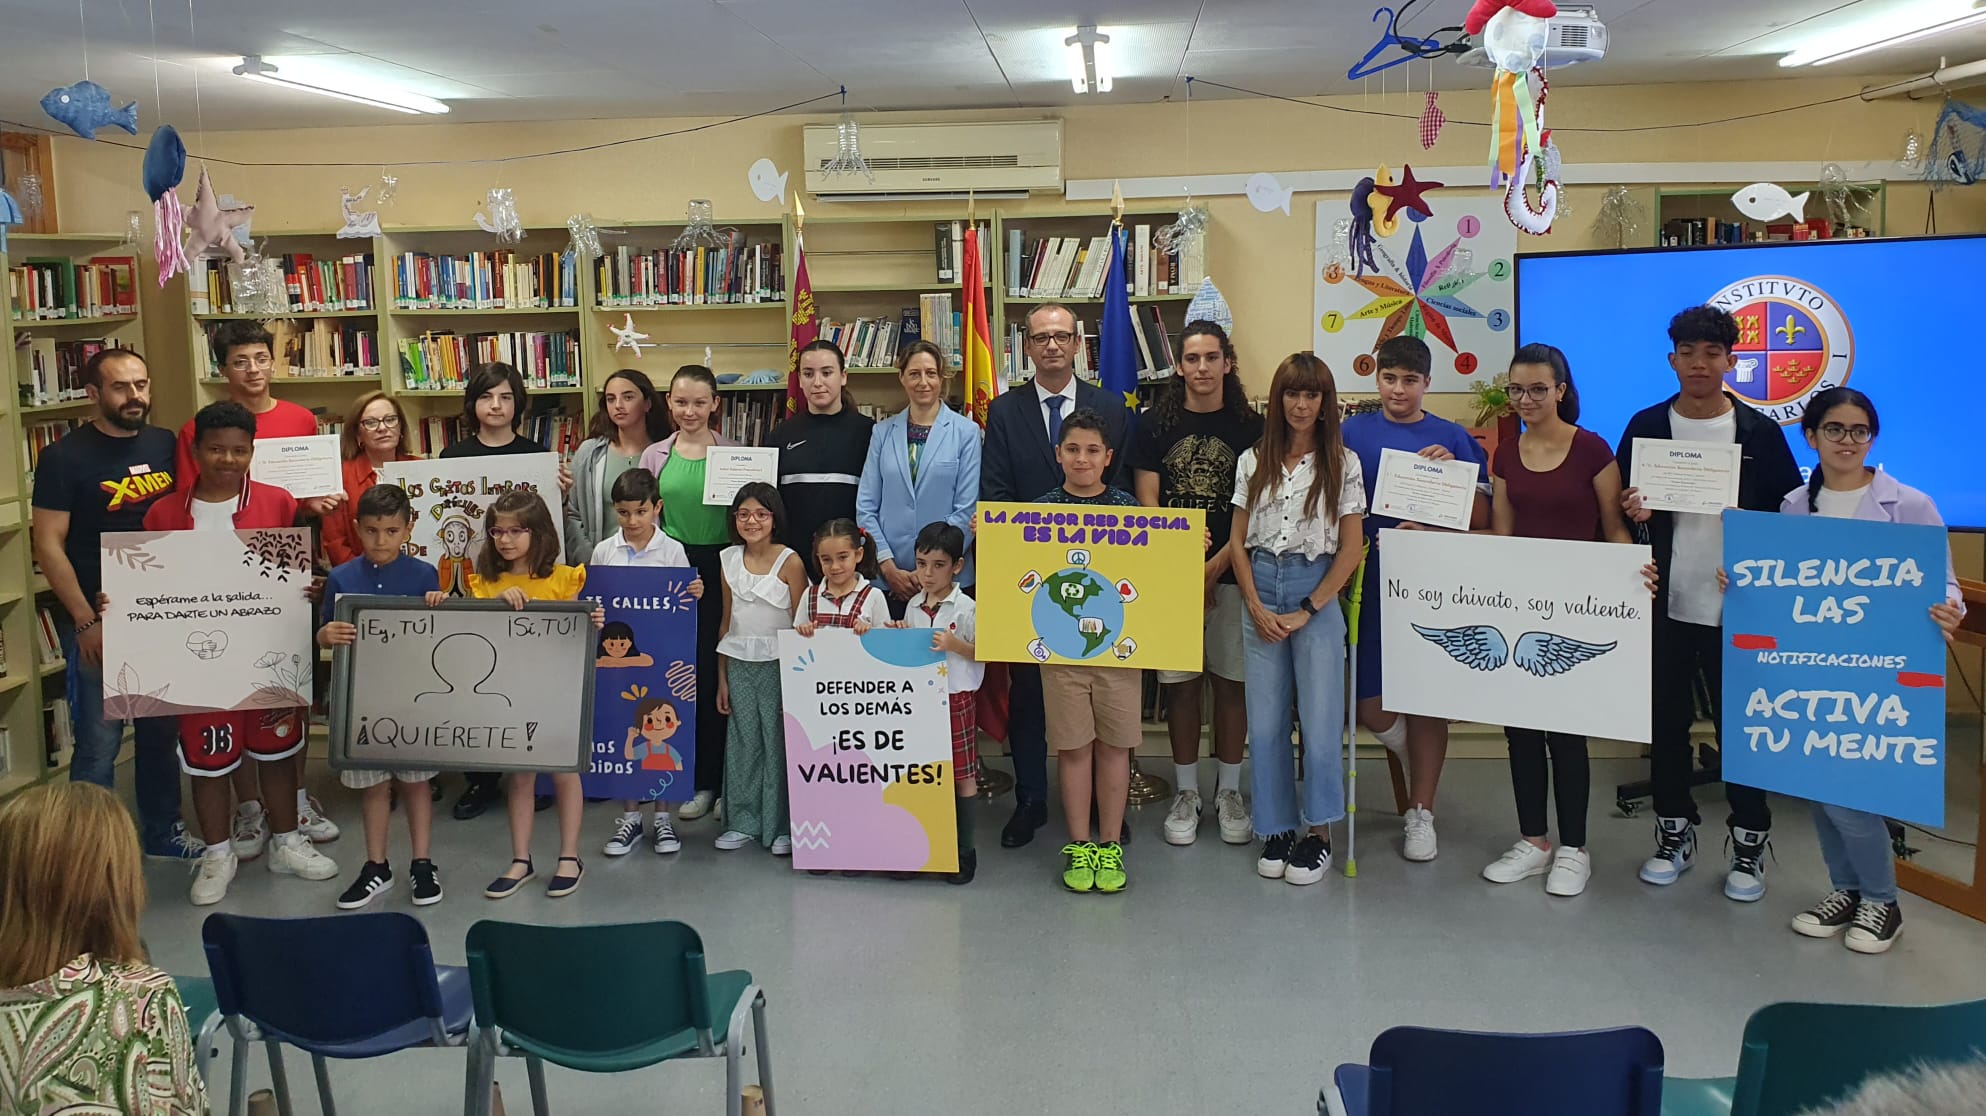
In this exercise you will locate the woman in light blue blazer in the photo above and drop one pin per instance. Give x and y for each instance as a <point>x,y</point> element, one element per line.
<point>923,467</point>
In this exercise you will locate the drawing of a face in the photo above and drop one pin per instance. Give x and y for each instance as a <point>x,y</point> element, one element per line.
<point>455,535</point>
<point>616,648</point>
<point>462,662</point>
<point>660,724</point>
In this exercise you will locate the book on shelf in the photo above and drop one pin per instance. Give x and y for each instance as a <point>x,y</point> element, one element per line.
<point>940,325</point>
<point>735,273</point>
<point>6,752</point>
<point>58,733</point>
<point>313,348</point>
<point>1153,344</point>
<point>443,360</point>
<point>750,415</point>
<point>49,643</point>
<point>54,289</point>
<point>495,280</point>
<point>310,284</point>
<point>38,436</point>
<point>50,370</point>
<point>866,342</point>
<point>948,239</point>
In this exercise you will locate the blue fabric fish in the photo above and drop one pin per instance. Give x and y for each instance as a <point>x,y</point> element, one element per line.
<point>85,106</point>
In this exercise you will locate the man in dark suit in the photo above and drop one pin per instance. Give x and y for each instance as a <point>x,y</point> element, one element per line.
<point>1018,464</point>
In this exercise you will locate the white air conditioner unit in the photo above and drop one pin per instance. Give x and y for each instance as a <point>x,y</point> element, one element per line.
<point>985,158</point>
<point>1574,35</point>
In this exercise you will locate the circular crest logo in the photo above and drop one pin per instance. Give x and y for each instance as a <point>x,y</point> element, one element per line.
<point>1793,341</point>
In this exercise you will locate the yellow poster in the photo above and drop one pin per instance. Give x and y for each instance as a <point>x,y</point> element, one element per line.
<point>1090,585</point>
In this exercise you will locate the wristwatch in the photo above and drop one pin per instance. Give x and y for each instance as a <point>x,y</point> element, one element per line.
<point>1306,606</point>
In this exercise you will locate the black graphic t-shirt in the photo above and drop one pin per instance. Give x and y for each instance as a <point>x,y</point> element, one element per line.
<point>1194,459</point>
<point>105,484</point>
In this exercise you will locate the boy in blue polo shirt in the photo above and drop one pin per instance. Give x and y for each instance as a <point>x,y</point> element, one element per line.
<point>385,522</point>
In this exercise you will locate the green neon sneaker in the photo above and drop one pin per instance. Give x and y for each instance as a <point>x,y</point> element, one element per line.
<point>1080,872</point>
<point>1109,861</point>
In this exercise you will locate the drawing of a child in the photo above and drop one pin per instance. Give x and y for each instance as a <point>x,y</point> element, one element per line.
<point>655,721</point>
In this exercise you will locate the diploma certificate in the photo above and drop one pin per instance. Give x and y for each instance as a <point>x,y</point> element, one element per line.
<point>1695,477</point>
<point>1437,493</point>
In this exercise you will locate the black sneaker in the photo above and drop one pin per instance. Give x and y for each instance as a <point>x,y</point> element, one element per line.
<point>1828,917</point>
<point>426,883</point>
<point>479,796</point>
<point>1876,927</point>
<point>374,880</point>
<point>1275,856</point>
<point>968,868</point>
<point>1308,860</point>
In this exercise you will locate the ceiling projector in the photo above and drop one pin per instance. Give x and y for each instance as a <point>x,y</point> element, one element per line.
<point>1574,35</point>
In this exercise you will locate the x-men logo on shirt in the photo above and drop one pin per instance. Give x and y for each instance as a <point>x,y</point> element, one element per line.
<point>1793,341</point>
<point>136,488</point>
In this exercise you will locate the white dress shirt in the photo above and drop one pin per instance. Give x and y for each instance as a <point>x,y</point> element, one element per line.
<point>616,550</point>
<point>1278,523</point>
<point>1068,396</point>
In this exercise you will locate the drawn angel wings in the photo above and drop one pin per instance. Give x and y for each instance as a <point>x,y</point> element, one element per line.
<point>1481,647</point>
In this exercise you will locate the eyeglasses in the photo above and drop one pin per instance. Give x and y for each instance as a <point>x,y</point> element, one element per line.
<point>390,422</point>
<point>504,533</point>
<point>1063,338</point>
<point>1537,393</point>
<point>759,516</point>
<point>1836,432</point>
<point>244,363</point>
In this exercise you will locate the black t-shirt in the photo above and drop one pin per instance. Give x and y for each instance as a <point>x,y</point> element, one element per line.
<point>473,446</point>
<point>1194,459</point>
<point>820,467</point>
<point>105,484</point>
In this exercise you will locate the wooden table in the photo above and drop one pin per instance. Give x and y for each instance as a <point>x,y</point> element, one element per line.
<point>1968,898</point>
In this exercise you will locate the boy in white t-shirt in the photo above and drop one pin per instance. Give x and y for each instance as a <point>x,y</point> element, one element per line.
<point>641,542</point>
<point>940,549</point>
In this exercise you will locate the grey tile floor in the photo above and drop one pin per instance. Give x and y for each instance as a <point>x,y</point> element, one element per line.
<point>1201,989</point>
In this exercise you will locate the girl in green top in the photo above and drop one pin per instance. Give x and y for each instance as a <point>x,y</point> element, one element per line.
<point>704,530</point>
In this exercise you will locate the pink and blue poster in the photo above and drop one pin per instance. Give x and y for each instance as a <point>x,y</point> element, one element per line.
<point>644,697</point>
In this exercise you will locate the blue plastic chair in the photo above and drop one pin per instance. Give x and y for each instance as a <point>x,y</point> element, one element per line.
<point>1799,1056</point>
<point>351,986</point>
<point>1420,1071</point>
<point>204,1019</point>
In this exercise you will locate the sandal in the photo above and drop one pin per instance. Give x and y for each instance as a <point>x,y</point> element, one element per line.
<point>505,886</point>
<point>562,884</point>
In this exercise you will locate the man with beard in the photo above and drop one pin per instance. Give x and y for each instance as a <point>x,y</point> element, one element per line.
<point>102,477</point>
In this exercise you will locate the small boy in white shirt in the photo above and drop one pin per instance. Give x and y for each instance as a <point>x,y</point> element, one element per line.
<point>941,606</point>
<point>641,542</point>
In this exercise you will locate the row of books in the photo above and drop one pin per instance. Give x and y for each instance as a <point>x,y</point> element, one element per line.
<point>48,645</point>
<point>497,280</point>
<point>444,360</point>
<point>1687,231</point>
<point>736,273</point>
<point>38,436</point>
<point>312,285</point>
<point>1074,267</point>
<point>50,370</point>
<point>872,342</point>
<point>555,430</point>
<point>1153,347</point>
<point>317,348</point>
<point>950,238</point>
<point>53,289</point>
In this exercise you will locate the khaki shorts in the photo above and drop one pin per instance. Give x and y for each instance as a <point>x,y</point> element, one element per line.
<point>1086,704</point>
<point>360,778</point>
<point>1222,641</point>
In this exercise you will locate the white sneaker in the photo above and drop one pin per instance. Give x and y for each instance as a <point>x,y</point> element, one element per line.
<point>1570,870</point>
<point>1675,851</point>
<point>782,846</point>
<point>291,855</point>
<point>627,834</point>
<point>1232,814</point>
<point>666,840</point>
<point>1419,845</point>
<point>312,823</point>
<point>250,833</point>
<point>1522,861</point>
<point>212,875</point>
<point>1182,822</point>
<point>732,839</point>
<point>697,806</point>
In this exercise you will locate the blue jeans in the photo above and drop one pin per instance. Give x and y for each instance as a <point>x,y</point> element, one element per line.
<point>1306,670</point>
<point>1856,847</point>
<point>156,763</point>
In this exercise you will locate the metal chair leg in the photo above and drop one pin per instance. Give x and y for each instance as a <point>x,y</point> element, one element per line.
<point>734,1080</point>
<point>472,1071</point>
<point>484,1081</point>
<point>541,1105</point>
<point>238,1077</point>
<point>322,1070</point>
<point>279,1078</point>
<point>764,1052</point>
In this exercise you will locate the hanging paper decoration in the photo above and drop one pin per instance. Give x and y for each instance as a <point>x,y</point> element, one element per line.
<point>1186,231</point>
<point>30,198</point>
<point>10,214</point>
<point>258,284</point>
<point>389,184</point>
<point>1957,155</point>
<point>1432,119</point>
<point>1209,306</point>
<point>85,106</point>
<point>627,337</point>
<point>498,217</point>
<point>1266,194</point>
<point>1620,218</point>
<point>699,231</point>
<point>1844,198</point>
<point>358,223</point>
<point>211,227</point>
<point>766,181</point>
<point>163,168</point>
<point>847,151</point>
<point>585,245</point>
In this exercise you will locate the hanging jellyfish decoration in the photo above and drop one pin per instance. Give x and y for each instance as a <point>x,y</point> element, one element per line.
<point>1513,36</point>
<point>163,168</point>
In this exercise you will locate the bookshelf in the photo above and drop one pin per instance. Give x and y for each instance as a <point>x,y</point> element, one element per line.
<point>1704,215</point>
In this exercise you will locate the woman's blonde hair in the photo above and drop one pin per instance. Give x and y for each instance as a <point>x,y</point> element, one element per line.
<point>348,439</point>
<point>70,881</point>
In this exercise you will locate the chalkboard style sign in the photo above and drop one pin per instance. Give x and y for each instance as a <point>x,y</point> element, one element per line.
<point>472,685</point>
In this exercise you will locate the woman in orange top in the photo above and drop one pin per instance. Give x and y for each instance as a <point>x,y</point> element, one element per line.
<point>376,432</point>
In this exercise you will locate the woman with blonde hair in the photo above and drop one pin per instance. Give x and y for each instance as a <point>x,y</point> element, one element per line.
<point>923,467</point>
<point>104,1028</point>
<point>376,432</point>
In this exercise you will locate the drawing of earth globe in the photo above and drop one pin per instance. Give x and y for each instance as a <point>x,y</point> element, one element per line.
<point>1077,614</point>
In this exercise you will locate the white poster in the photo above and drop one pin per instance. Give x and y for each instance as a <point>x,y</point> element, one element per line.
<point>206,621</point>
<point>304,467</point>
<point>1529,633</point>
<point>452,497</point>
<point>1445,278</point>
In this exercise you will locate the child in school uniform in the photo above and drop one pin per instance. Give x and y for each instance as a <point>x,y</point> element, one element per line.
<point>641,542</point>
<point>763,580</point>
<point>520,563</point>
<point>385,520</point>
<point>211,745</point>
<point>847,596</point>
<point>940,606</point>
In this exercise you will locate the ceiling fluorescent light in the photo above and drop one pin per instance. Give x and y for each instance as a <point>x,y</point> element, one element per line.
<point>1855,42</point>
<point>1089,60</point>
<point>344,87</point>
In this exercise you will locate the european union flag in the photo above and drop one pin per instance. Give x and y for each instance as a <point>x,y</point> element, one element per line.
<point>1117,348</point>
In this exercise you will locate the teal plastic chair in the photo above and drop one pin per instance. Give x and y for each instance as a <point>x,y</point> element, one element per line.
<point>606,999</point>
<point>204,1019</point>
<point>1798,1056</point>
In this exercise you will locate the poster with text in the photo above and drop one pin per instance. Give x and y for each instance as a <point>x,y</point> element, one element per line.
<point>868,751</point>
<point>644,694</point>
<point>452,497</point>
<point>1527,633</point>
<point>1834,671</point>
<point>1091,585</point>
<point>205,621</point>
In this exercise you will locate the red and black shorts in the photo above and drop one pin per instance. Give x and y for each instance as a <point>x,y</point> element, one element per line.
<point>213,743</point>
<point>965,735</point>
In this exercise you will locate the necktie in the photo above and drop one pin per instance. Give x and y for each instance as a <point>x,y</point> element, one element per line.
<point>1055,403</point>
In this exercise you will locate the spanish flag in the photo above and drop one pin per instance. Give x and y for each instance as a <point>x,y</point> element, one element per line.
<point>806,326</point>
<point>975,346</point>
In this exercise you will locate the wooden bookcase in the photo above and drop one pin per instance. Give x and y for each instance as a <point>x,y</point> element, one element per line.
<point>1712,204</point>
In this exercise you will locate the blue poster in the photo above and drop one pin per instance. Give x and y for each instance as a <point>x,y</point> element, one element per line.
<point>644,703</point>
<point>1834,672</point>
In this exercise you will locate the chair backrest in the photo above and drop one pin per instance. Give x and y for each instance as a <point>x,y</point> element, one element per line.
<point>1420,1071</point>
<point>320,981</point>
<point>589,988</point>
<point>1798,1056</point>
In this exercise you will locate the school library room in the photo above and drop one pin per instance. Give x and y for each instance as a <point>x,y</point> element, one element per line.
<point>491,557</point>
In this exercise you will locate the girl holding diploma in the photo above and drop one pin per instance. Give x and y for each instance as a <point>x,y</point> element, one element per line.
<point>762,580</point>
<point>1555,481</point>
